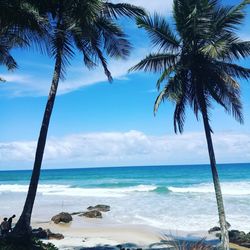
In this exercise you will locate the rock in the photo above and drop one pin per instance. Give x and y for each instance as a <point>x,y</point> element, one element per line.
<point>46,234</point>
<point>39,233</point>
<point>52,236</point>
<point>100,208</point>
<point>62,217</point>
<point>214,229</point>
<point>76,213</point>
<point>92,214</point>
<point>236,234</point>
<point>239,238</point>
<point>245,244</point>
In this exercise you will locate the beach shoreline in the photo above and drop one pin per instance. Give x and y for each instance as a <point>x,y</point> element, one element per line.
<point>85,232</point>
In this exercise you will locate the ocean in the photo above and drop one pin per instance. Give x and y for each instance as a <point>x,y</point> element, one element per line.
<point>165,197</point>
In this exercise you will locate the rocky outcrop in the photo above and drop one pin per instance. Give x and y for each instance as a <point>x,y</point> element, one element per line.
<point>41,233</point>
<point>62,217</point>
<point>240,238</point>
<point>52,236</point>
<point>100,208</point>
<point>92,214</point>
<point>235,236</point>
<point>77,213</point>
<point>214,229</point>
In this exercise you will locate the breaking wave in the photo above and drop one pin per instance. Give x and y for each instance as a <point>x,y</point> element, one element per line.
<point>47,189</point>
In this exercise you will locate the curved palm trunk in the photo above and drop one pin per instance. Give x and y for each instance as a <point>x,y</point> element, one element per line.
<point>23,225</point>
<point>218,193</point>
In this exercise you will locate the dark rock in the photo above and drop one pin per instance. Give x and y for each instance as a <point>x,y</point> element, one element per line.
<point>52,236</point>
<point>92,214</point>
<point>39,233</point>
<point>100,208</point>
<point>245,244</point>
<point>214,229</point>
<point>76,213</point>
<point>239,238</point>
<point>236,234</point>
<point>45,234</point>
<point>62,217</point>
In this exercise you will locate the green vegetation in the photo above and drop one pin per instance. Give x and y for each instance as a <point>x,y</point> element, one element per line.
<point>21,26</point>
<point>197,65</point>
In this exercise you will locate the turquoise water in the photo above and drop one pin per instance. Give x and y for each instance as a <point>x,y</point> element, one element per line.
<point>163,196</point>
<point>127,176</point>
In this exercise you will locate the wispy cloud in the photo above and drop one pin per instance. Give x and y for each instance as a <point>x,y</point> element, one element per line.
<point>77,77</point>
<point>127,148</point>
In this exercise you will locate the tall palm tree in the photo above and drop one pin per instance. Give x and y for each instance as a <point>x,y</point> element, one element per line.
<point>88,27</point>
<point>20,26</point>
<point>196,63</point>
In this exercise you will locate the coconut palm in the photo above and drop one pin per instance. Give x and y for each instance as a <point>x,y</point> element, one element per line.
<point>88,27</point>
<point>196,62</point>
<point>21,26</point>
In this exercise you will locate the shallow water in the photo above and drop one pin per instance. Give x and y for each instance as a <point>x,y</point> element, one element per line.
<point>167,197</point>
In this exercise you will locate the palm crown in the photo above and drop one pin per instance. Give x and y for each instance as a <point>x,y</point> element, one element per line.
<point>196,60</point>
<point>21,26</point>
<point>88,27</point>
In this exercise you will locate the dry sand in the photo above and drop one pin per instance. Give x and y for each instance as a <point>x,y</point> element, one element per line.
<point>84,232</point>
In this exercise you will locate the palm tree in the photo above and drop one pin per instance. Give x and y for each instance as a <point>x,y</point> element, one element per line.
<point>21,26</point>
<point>196,62</point>
<point>90,28</point>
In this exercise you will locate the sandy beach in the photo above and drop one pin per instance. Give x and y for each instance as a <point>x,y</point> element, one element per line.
<point>85,232</point>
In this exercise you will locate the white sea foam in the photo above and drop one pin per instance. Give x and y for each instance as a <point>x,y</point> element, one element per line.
<point>77,191</point>
<point>228,188</point>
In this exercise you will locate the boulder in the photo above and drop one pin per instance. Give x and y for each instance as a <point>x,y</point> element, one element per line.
<point>39,233</point>
<point>92,214</point>
<point>239,238</point>
<point>76,213</point>
<point>100,208</point>
<point>214,229</point>
<point>52,236</point>
<point>45,234</point>
<point>62,217</point>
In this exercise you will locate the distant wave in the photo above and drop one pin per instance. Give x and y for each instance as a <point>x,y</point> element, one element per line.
<point>47,189</point>
<point>228,188</point>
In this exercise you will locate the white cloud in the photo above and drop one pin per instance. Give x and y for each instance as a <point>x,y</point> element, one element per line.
<point>128,148</point>
<point>16,78</point>
<point>76,78</point>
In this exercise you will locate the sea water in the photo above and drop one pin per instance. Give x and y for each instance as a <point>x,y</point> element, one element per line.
<point>166,197</point>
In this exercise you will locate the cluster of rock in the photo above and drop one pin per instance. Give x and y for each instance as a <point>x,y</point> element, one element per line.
<point>41,233</point>
<point>92,212</point>
<point>235,236</point>
<point>239,238</point>
<point>62,217</point>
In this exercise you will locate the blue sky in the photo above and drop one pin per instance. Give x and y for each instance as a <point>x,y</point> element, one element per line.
<point>95,123</point>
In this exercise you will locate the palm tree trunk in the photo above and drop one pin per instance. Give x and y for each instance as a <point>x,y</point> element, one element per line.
<point>218,193</point>
<point>23,225</point>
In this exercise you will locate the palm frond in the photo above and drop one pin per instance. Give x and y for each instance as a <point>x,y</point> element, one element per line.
<point>165,75</point>
<point>159,32</point>
<point>234,70</point>
<point>115,40</point>
<point>156,62</point>
<point>179,114</point>
<point>122,9</point>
